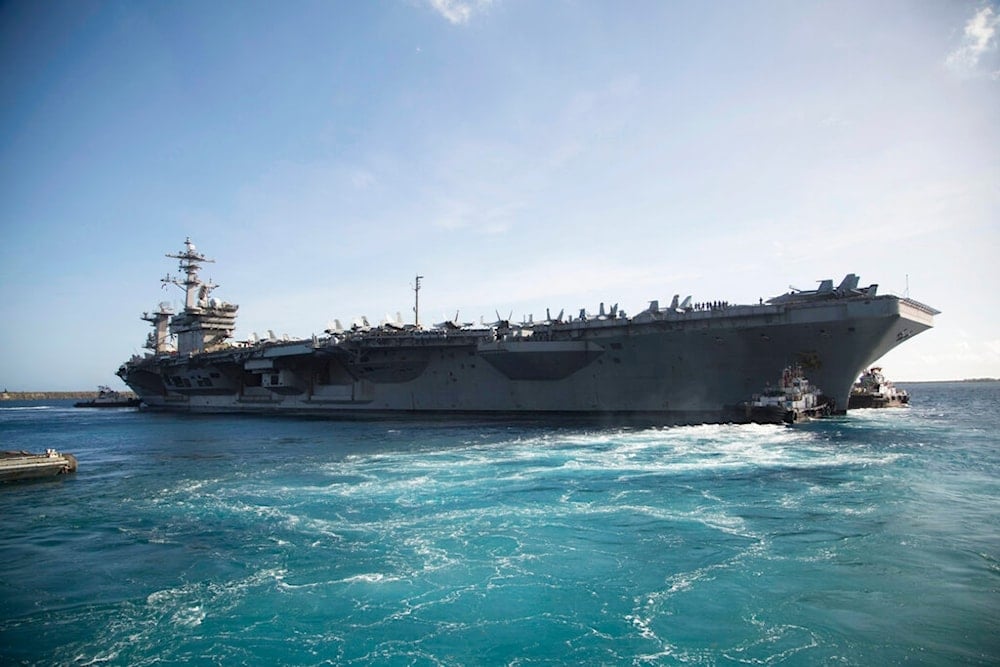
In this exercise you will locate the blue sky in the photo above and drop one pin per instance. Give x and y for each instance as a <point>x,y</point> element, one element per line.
<point>518,154</point>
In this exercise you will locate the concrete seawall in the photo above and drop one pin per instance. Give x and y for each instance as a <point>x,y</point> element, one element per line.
<point>53,395</point>
<point>16,466</point>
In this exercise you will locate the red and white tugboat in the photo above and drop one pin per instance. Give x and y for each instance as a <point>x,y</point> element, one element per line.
<point>872,390</point>
<point>793,400</point>
<point>109,398</point>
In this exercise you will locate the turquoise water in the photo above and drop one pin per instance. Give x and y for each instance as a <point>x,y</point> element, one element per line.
<point>869,539</point>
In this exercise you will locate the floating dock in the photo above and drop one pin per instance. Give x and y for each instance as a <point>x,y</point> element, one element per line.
<point>23,465</point>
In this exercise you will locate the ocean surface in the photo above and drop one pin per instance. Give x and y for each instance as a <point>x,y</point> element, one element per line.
<point>869,539</point>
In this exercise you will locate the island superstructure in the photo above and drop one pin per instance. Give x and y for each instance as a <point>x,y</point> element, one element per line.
<point>683,363</point>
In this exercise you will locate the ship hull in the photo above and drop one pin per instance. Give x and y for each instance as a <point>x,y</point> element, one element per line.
<point>684,367</point>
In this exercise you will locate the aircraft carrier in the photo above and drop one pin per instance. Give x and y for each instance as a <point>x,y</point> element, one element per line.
<point>679,364</point>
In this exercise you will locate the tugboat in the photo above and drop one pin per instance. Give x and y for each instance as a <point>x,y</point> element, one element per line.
<point>872,390</point>
<point>108,398</point>
<point>794,400</point>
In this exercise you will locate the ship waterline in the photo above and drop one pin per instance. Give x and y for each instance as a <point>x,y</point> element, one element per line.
<point>679,364</point>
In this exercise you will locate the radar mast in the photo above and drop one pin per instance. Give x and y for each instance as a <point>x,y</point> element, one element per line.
<point>196,292</point>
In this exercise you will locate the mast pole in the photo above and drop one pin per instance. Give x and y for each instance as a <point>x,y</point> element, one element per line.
<point>416,301</point>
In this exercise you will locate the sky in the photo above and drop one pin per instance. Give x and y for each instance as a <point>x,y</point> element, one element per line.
<point>517,154</point>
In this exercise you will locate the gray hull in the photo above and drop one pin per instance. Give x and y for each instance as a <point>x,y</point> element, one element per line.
<point>677,366</point>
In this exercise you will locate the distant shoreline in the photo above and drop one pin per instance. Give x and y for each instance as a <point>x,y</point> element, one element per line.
<point>942,381</point>
<point>53,395</point>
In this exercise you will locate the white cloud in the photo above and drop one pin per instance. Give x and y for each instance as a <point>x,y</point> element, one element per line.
<point>459,11</point>
<point>453,215</point>
<point>481,217</point>
<point>978,39</point>
<point>362,179</point>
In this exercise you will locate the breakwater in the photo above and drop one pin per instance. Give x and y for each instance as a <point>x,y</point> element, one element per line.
<point>53,395</point>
